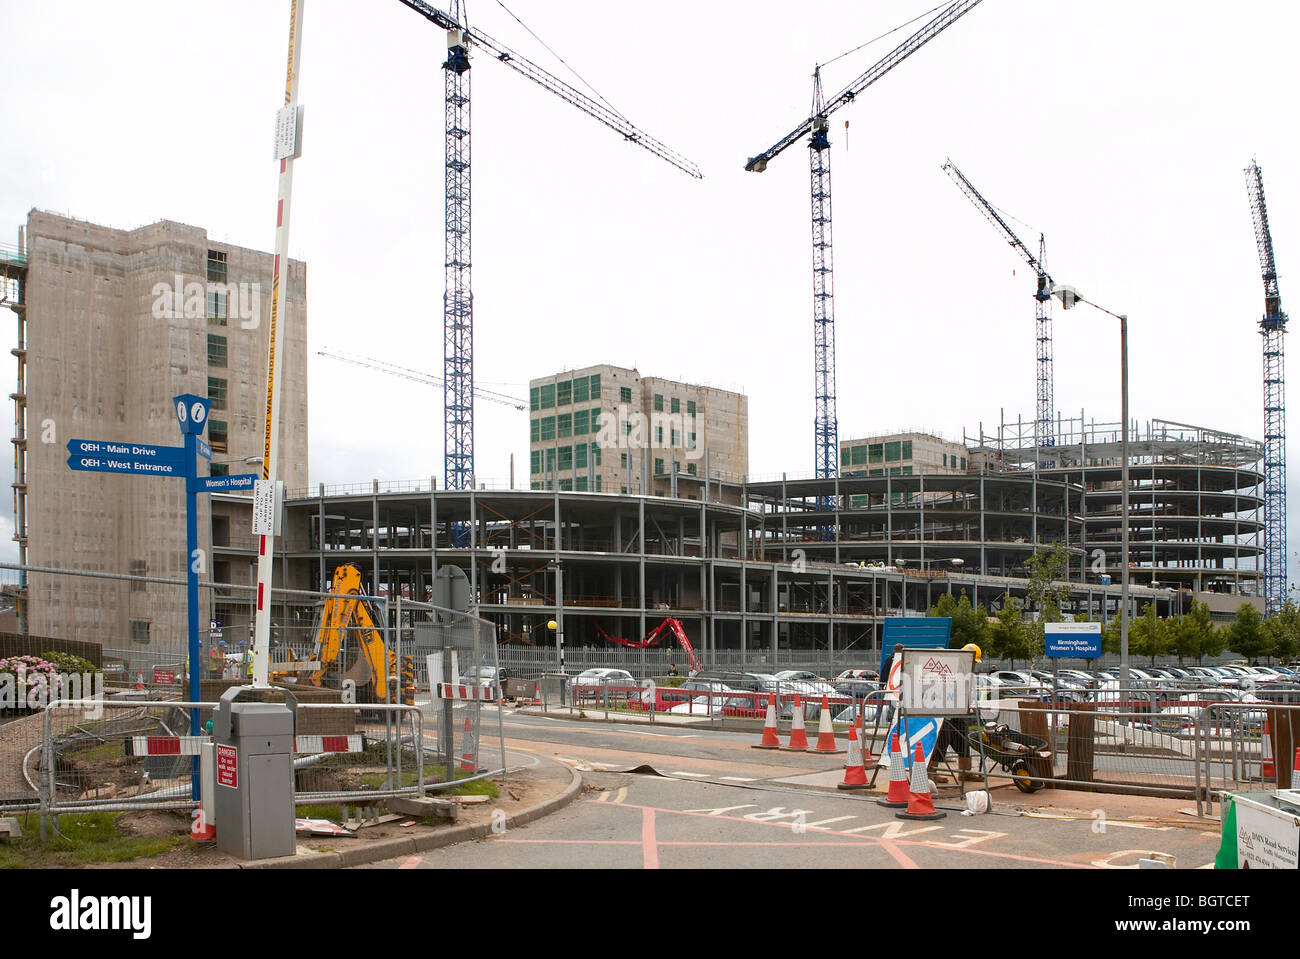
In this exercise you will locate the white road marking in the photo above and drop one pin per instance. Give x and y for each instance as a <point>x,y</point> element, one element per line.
<point>738,779</point>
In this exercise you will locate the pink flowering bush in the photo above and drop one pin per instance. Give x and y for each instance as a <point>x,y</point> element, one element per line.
<point>29,680</point>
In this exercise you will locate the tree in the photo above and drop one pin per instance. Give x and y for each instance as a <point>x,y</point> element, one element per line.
<point>1283,632</point>
<point>1110,636</point>
<point>1246,635</point>
<point>969,624</point>
<point>1011,637</point>
<point>1148,635</point>
<point>1194,633</point>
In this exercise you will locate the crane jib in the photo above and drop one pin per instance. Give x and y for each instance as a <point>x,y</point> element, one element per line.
<point>945,19</point>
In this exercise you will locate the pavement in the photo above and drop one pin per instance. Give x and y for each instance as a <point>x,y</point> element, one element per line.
<point>550,784</point>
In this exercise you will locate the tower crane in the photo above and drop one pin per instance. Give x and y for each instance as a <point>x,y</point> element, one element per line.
<point>1272,327</point>
<point>458,299</point>
<point>428,379</point>
<point>1046,405</point>
<point>826,424</point>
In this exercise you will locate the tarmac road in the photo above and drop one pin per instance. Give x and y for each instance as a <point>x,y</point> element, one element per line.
<point>750,814</point>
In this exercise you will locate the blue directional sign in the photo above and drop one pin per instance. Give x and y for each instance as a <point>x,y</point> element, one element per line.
<point>239,483</point>
<point>138,459</point>
<point>205,450</point>
<point>1072,640</point>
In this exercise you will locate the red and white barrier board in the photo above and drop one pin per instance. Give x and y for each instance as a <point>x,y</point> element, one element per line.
<point>454,691</point>
<point>166,745</point>
<point>328,744</point>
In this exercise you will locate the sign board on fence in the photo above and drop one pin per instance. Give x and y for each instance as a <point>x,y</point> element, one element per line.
<point>227,774</point>
<point>1267,838</point>
<point>937,682</point>
<point>163,676</point>
<point>1072,640</point>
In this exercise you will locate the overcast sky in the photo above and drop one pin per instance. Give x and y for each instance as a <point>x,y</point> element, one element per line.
<point>1119,128</point>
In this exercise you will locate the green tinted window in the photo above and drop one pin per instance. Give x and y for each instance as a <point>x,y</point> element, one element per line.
<point>597,484</point>
<point>564,459</point>
<point>676,405</point>
<point>859,455</point>
<point>547,396</point>
<point>595,386</point>
<point>566,485</point>
<point>534,427</point>
<point>580,484</point>
<point>564,425</point>
<point>580,422</point>
<point>595,457</point>
<point>535,461</point>
<point>624,394</point>
<point>563,393</point>
<point>690,468</point>
<point>580,456</point>
<point>907,471</point>
<point>659,467</point>
<point>550,459</point>
<point>595,420</point>
<point>963,462</point>
<point>547,429</point>
<point>844,456</point>
<point>893,452</point>
<point>690,407</point>
<point>581,392</point>
<point>877,453</point>
<point>659,403</point>
<point>533,398</point>
<point>216,350</point>
<point>907,449</point>
<point>876,473</point>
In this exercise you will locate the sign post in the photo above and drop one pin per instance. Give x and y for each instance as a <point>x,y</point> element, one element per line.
<point>145,459</point>
<point>192,414</point>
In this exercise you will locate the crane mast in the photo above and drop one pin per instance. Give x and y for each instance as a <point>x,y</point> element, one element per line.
<point>1045,403</point>
<point>458,296</point>
<point>825,425</point>
<point>1272,328</point>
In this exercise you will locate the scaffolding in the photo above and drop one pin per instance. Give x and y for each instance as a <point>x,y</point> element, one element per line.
<point>13,296</point>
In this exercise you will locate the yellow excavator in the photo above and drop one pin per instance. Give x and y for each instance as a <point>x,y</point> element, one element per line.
<point>345,610</point>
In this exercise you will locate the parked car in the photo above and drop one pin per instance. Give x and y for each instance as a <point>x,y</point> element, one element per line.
<point>1018,683</point>
<point>604,677</point>
<point>857,674</point>
<point>1182,715</point>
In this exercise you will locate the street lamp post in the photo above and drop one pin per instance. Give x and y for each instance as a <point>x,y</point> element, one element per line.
<point>1069,297</point>
<point>557,624</point>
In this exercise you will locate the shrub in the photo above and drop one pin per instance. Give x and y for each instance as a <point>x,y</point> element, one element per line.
<point>68,663</point>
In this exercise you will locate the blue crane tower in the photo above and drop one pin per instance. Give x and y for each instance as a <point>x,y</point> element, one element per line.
<point>458,298</point>
<point>1273,328</point>
<point>826,423</point>
<point>1045,406</point>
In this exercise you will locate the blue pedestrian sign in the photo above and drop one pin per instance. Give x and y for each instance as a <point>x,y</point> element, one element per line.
<point>204,450</point>
<point>1072,640</point>
<point>240,482</point>
<point>138,459</point>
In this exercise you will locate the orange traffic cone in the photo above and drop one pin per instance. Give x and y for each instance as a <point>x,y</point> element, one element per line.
<point>855,773</point>
<point>1267,770</point>
<point>919,803</point>
<point>798,736</point>
<point>139,679</point>
<point>770,739</point>
<point>467,763</point>
<point>825,734</point>
<point>898,793</point>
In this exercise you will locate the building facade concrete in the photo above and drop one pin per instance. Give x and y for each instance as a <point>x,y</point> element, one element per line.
<point>608,429</point>
<point>119,322</point>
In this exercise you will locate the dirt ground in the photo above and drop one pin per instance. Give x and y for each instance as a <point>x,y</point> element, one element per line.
<point>522,793</point>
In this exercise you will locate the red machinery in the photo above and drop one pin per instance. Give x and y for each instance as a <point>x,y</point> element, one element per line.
<point>654,637</point>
